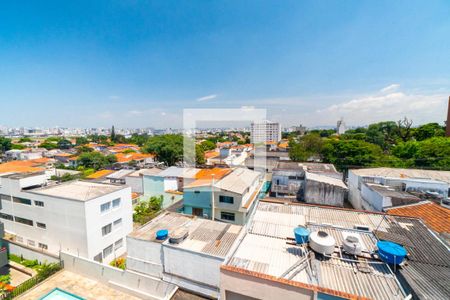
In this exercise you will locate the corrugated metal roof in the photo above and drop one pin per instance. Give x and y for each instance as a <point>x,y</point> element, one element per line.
<point>238,181</point>
<point>404,173</point>
<point>206,236</point>
<point>267,249</point>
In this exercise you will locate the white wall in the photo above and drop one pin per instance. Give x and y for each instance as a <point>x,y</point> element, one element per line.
<point>95,220</point>
<point>139,285</point>
<point>144,256</point>
<point>192,265</point>
<point>136,183</point>
<point>27,253</point>
<point>170,183</point>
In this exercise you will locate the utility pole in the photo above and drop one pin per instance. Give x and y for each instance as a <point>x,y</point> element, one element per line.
<point>212,199</point>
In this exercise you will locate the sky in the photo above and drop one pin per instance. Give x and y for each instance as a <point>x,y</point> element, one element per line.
<point>134,63</point>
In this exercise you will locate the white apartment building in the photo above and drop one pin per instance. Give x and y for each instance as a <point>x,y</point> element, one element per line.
<point>265,131</point>
<point>87,219</point>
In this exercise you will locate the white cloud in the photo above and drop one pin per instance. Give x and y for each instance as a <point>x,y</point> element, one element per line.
<point>207,98</point>
<point>395,105</point>
<point>390,88</point>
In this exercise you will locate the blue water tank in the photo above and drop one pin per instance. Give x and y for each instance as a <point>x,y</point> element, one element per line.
<point>301,235</point>
<point>162,234</point>
<point>391,253</point>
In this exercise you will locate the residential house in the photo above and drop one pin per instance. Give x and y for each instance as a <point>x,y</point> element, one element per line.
<point>167,183</point>
<point>223,194</point>
<point>314,183</point>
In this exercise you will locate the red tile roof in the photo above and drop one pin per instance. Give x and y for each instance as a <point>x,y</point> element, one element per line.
<point>435,216</point>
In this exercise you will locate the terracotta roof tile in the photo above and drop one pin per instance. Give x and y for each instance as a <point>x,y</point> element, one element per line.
<point>435,216</point>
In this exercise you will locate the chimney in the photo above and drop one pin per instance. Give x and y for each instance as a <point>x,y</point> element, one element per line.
<point>447,131</point>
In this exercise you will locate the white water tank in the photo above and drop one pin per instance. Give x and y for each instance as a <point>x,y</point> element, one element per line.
<point>321,242</point>
<point>352,245</point>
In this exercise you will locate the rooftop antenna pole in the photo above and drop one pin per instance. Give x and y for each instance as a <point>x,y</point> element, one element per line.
<point>212,198</point>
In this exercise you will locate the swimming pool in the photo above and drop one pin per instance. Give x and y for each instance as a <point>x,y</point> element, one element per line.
<point>58,294</point>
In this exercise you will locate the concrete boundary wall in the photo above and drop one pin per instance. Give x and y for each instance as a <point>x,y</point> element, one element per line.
<point>139,285</point>
<point>30,253</point>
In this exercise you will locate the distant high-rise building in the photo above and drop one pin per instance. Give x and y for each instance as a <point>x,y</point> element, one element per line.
<point>341,128</point>
<point>265,131</point>
<point>447,131</point>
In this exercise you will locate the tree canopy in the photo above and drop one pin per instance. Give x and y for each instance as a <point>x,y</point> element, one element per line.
<point>168,148</point>
<point>394,144</point>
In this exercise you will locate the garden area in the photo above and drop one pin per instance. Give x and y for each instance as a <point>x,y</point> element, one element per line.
<point>147,210</point>
<point>22,274</point>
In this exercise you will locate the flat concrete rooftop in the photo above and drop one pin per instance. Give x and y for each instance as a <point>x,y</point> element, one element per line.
<point>78,190</point>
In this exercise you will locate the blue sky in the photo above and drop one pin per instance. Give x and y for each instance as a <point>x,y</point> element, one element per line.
<point>139,63</point>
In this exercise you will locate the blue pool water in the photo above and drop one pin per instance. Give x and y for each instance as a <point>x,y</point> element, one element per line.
<point>58,294</point>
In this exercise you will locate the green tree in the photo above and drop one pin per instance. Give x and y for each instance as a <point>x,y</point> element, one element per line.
<point>64,144</point>
<point>351,153</point>
<point>17,146</point>
<point>5,144</point>
<point>383,134</point>
<point>81,141</point>
<point>113,135</point>
<point>25,140</point>
<point>207,145</point>
<point>168,148</point>
<point>49,145</point>
<point>199,155</point>
<point>95,160</point>
<point>429,130</point>
<point>147,210</point>
<point>309,145</point>
<point>434,153</point>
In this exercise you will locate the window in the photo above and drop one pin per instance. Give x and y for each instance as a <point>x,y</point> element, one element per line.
<point>39,203</point>
<point>43,246</point>
<point>118,223</point>
<point>22,200</point>
<point>41,225</point>
<point>116,203</point>
<point>226,199</point>
<point>118,244</point>
<point>107,251</point>
<point>6,217</point>
<point>106,229</point>
<point>105,207</point>
<point>227,216</point>
<point>23,221</point>
<point>31,243</point>
<point>197,192</point>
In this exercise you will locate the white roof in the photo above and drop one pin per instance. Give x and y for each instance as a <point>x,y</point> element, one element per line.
<point>325,179</point>
<point>179,172</point>
<point>79,190</point>
<point>238,180</point>
<point>148,172</point>
<point>119,174</point>
<point>404,173</point>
